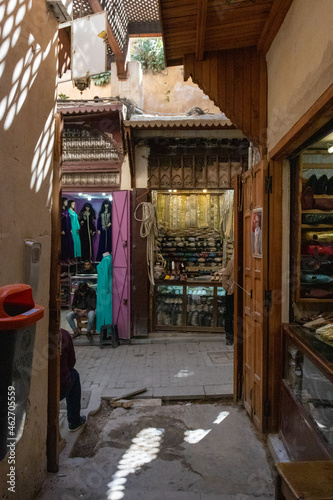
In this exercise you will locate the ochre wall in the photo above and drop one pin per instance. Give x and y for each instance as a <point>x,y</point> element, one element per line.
<point>27,103</point>
<point>164,92</point>
<point>299,65</point>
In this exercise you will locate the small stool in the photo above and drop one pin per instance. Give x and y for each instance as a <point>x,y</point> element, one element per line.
<point>109,336</point>
<point>306,480</point>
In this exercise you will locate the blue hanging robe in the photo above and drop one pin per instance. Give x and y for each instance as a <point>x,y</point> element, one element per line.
<point>75,232</point>
<point>104,293</point>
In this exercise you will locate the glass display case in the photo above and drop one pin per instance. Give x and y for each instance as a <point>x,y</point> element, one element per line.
<point>169,305</point>
<point>307,394</point>
<point>189,306</point>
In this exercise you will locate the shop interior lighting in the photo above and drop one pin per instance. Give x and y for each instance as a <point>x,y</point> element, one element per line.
<point>110,197</point>
<point>204,190</point>
<point>103,194</point>
<point>89,198</point>
<point>170,190</point>
<point>80,194</point>
<point>330,148</point>
<point>175,191</point>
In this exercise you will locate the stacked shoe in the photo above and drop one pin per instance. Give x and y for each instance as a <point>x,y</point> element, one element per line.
<point>320,185</point>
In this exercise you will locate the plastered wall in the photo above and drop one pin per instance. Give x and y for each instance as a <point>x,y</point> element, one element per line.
<point>27,103</point>
<point>164,92</point>
<point>300,65</point>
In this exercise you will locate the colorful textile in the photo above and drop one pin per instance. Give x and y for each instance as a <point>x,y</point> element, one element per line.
<point>104,293</point>
<point>75,232</point>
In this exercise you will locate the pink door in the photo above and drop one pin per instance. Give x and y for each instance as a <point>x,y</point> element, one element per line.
<point>121,263</point>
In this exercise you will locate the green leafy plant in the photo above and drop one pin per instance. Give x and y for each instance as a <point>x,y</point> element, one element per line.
<point>63,97</point>
<point>150,53</point>
<point>101,79</point>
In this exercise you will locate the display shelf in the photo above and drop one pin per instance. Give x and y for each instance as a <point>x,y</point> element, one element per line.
<point>307,394</point>
<point>65,284</point>
<point>316,226</point>
<point>313,280</point>
<point>189,306</point>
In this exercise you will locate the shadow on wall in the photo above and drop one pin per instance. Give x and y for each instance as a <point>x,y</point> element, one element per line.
<point>20,65</point>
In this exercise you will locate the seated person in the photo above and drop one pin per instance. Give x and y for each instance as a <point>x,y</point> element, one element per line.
<point>84,304</point>
<point>88,268</point>
<point>70,386</point>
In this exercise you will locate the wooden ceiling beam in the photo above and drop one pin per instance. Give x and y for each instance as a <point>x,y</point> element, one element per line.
<point>201,29</point>
<point>118,54</point>
<point>273,23</point>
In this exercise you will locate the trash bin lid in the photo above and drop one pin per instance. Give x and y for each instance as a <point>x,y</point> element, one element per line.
<point>17,307</point>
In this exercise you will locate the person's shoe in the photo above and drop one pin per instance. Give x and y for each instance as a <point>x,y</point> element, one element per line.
<point>89,337</point>
<point>78,425</point>
<point>229,342</point>
<point>76,333</point>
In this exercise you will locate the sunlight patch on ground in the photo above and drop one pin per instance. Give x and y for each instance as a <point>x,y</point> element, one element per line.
<point>144,449</point>
<point>184,373</point>
<point>221,416</point>
<point>194,437</point>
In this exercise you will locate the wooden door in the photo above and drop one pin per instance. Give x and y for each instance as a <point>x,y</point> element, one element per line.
<point>121,263</point>
<point>238,289</point>
<point>254,278</point>
<point>139,275</point>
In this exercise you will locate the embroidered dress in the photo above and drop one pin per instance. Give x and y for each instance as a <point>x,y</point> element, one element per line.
<point>104,293</point>
<point>103,222</point>
<point>87,230</point>
<point>75,234</point>
<point>67,246</point>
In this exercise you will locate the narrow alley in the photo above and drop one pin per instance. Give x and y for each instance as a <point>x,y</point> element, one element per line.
<point>181,439</point>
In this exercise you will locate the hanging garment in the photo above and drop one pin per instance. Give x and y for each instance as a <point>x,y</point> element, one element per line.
<point>75,232</point>
<point>67,245</point>
<point>104,292</point>
<point>87,231</point>
<point>105,242</point>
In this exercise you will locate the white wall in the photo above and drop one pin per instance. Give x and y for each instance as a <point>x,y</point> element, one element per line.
<point>27,103</point>
<point>300,64</point>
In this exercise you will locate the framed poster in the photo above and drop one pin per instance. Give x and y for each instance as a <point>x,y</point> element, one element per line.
<point>256,232</point>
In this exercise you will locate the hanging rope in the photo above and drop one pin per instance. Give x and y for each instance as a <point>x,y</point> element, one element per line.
<point>148,230</point>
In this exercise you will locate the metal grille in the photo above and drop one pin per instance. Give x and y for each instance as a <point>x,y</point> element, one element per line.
<point>81,145</point>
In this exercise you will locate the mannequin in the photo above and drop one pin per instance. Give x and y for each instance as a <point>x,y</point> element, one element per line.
<point>104,228</point>
<point>75,228</point>
<point>67,245</point>
<point>87,218</point>
<point>104,292</point>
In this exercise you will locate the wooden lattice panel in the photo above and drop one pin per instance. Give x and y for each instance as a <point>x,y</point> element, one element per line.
<point>193,171</point>
<point>81,8</point>
<point>142,10</point>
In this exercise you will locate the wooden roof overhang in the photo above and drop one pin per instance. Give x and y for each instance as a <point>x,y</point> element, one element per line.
<point>222,44</point>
